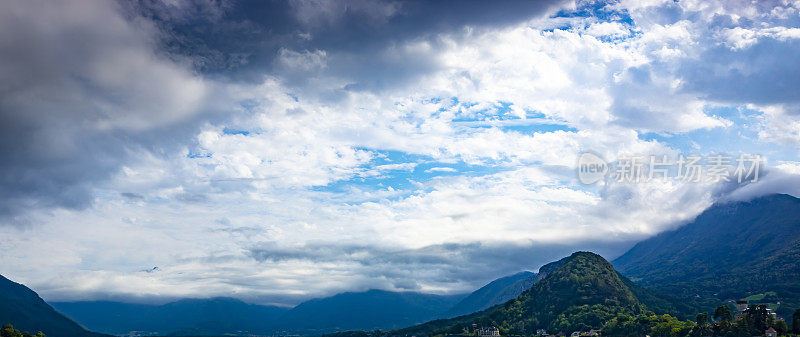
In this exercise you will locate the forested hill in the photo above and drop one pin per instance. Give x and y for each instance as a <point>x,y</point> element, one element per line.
<point>581,294</point>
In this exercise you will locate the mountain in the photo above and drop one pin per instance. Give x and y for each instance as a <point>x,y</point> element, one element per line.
<point>494,293</point>
<point>501,290</point>
<point>373,309</point>
<point>583,292</point>
<point>22,307</point>
<point>729,251</point>
<point>214,316</point>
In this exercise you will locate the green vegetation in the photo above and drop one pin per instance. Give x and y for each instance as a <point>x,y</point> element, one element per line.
<point>758,298</point>
<point>647,324</point>
<point>723,313</point>
<point>770,299</point>
<point>754,323</point>
<point>9,331</point>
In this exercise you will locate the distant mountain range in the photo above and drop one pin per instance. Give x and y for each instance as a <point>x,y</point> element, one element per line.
<point>730,251</point>
<point>28,312</point>
<point>374,309</point>
<point>214,316</point>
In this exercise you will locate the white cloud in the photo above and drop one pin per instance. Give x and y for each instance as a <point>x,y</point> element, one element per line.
<point>441,169</point>
<point>780,124</point>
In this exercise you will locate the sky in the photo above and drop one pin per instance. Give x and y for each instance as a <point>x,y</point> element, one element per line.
<point>277,151</point>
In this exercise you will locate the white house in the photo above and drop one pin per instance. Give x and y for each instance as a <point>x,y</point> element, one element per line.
<point>488,332</point>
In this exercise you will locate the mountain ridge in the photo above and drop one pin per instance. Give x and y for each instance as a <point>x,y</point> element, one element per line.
<point>26,311</point>
<point>210,316</point>
<point>377,309</point>
<point>729,251</point>
<point>222,315</point>
<point>494,293</point>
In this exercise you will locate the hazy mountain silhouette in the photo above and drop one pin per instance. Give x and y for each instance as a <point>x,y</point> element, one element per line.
<point>23,308</point>
<point>214,316</point>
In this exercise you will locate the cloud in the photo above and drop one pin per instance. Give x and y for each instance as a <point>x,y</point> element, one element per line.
<point>781,124</point>
<point>781,180</point>
<point>254,150</point>
<point>441,169</point>
<point>74,96</point>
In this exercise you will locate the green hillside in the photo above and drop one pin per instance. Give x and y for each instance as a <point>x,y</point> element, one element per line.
<point>730,251</point>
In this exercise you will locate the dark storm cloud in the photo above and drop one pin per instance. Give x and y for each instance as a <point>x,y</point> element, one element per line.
<point>81,88</point>
<point>85,84</point>
<point>243,39</point>
<point>470,263</point>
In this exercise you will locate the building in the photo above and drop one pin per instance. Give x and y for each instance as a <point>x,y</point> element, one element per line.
<point>771,333</point>
<point>741,305</point>
<point>488,332</point>
<point>742,311</point>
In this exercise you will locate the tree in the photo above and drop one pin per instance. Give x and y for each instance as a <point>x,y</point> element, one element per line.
<point>702,318</point>
<point>9,331</point>
<point>759,318</point>
<point>723,313</point>
<point>780,327</point>
<point>648,324</point>
<point>741,329</point>
<point>796,321</point>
